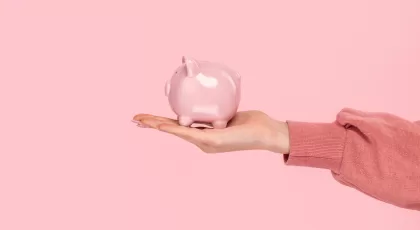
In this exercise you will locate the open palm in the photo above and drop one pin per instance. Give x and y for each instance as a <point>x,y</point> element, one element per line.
<point>248,130</point>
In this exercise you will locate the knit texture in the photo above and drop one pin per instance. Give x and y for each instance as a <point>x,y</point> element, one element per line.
<point>375,153</point>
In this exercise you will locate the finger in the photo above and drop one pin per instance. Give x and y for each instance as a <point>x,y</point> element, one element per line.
<point>140,117</point>
<point>191,134</point>
<point>156,122</point>
<point>146,116</point>
<point>162,126</point>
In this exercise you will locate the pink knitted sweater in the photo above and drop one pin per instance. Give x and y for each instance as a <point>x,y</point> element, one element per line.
<point>375,153</point>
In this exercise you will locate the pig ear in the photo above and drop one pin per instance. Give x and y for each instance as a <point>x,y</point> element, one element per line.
<point>191,65</point>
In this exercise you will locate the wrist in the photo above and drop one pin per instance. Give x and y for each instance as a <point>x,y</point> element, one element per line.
<point>279,141</point>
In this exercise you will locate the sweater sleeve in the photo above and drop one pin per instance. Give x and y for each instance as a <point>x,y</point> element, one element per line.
<point>376,153</point>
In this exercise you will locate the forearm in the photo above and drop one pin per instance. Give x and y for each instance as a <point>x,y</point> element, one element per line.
<point>376,153</point>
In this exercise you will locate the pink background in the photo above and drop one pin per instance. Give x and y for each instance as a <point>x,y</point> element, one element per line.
<point>73,73</point>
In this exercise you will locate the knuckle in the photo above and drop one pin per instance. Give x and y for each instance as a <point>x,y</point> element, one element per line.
<point>205,150</point>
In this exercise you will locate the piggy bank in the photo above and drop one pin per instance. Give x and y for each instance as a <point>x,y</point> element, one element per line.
<point>204,92</point>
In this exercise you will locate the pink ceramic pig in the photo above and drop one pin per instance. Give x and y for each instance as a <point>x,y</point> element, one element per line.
<point>204,92</point>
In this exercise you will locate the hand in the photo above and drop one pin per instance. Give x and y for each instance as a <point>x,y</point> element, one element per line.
<point>248,130</point>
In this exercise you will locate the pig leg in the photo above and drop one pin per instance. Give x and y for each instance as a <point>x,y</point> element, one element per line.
<point>219,124</point>
<point>185,121</point>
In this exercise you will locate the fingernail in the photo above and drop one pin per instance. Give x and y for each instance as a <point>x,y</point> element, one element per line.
<point>141,125</point>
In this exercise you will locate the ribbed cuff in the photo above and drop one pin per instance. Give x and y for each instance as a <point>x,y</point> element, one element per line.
<point>318,145</point>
